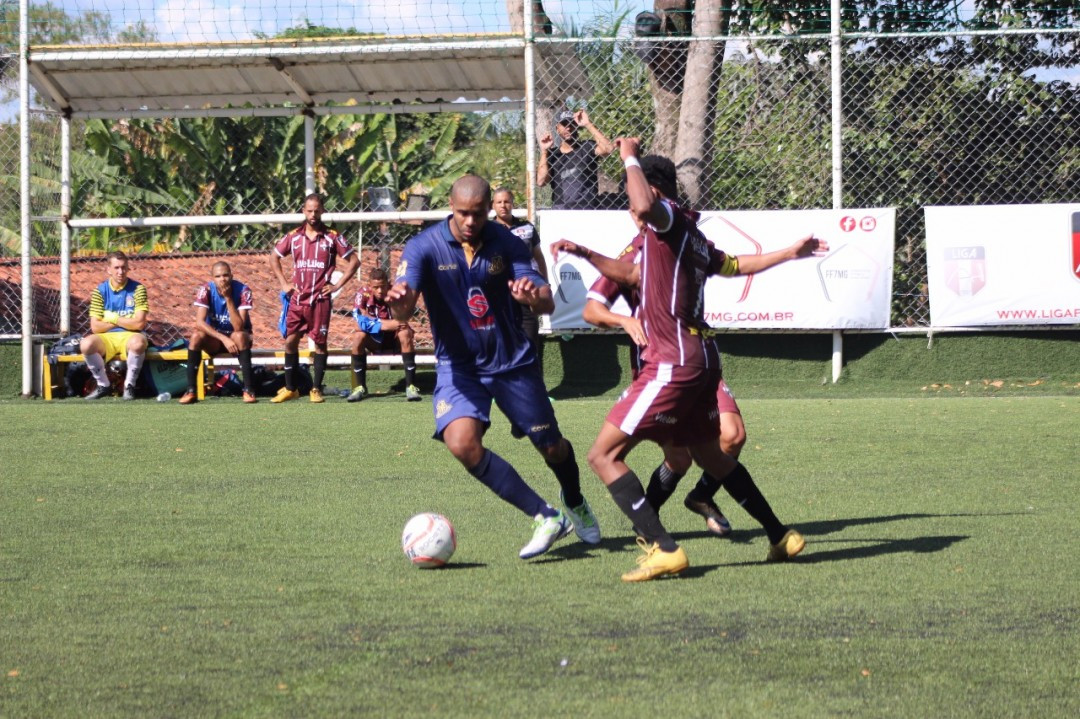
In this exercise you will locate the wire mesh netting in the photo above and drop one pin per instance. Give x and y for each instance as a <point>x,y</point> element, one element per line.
<point>942,104</point>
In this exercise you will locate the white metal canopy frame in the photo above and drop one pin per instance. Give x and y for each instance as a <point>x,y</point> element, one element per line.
<point>271,77</point>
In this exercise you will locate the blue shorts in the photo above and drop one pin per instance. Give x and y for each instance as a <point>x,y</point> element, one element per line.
<point>520,394</point>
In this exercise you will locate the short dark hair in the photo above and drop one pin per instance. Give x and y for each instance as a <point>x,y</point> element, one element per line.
<point>377,274</point>
<point>503,188</point>
<point>116,255</point>
<point>317,197</point>
<point>660,173</point>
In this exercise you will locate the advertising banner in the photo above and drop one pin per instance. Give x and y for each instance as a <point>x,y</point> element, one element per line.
<point>850,288</point>
<point>1003,265</point>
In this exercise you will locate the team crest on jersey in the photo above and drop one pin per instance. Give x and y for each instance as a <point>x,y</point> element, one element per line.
<point>497,265</point>
<point>129,301</point>
<point>477,302</point>
<point>442,407</point>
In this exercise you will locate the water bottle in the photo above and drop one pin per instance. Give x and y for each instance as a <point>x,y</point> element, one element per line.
<point>164,397</point>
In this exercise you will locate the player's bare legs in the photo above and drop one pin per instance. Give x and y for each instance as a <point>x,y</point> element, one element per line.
<point>607,459</point>
<point>740,485</point>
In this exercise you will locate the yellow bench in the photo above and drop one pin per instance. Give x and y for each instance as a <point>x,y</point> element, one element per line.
<point>48,382</point>
<point>271,358</point>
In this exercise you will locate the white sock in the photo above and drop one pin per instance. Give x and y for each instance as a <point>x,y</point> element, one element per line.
<point>134,364</point>
<point>96,365</point>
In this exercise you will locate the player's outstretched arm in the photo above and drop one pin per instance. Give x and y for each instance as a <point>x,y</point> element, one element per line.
<point>596,313</point>
<point>621,273</point>
<point>808,246</point>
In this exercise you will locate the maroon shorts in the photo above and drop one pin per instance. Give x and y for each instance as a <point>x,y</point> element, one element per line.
<point>310,319</point>
<point>725,400</point>
<point>670,404</point>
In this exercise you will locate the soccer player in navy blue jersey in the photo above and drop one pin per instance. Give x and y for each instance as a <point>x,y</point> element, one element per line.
<point>475,276</point>
<point>222,324</point>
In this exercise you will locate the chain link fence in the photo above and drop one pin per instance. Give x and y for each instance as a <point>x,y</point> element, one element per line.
<point>985,116</point>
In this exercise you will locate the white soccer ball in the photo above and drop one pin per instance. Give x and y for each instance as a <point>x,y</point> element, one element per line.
<point>428,540</point>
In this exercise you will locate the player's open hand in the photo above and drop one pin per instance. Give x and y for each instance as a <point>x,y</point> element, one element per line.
<point>397,293</point>
<point>524,291</point>
<point>632,327</point>
<point>546,141</point>
<point>229,345</point>
<point>810,246</point>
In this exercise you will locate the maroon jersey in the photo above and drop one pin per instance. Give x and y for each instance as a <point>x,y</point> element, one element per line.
<point>675,262</point>
<point>313,260</point>
<point>366,304</point>
<point>606,292</point>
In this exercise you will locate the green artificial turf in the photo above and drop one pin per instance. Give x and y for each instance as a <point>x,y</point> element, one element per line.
<point>232,560</point>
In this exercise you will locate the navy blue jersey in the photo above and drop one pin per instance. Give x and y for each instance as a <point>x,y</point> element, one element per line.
<point>475,321</point>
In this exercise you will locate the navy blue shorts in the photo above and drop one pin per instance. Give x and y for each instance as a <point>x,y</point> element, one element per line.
<point>519,393</point>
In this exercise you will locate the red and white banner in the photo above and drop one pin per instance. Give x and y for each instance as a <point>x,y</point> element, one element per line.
<point>1003,265</point>
<point>850,288</point>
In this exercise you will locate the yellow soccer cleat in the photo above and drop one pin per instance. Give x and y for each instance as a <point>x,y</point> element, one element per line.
<point>284,395</point>
<point>316,396</point>
<point>791,544</point>
<point>656,563</point>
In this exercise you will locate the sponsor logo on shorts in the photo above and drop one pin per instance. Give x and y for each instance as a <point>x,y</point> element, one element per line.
<point>538,428</point>
<point>447,268</point>
<point>714,414</point>
<point>662,418</point>
<point>442,407</point>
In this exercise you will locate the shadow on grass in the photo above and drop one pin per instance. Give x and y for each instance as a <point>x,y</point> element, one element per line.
<point>461,565</point>
<point>813,553</point>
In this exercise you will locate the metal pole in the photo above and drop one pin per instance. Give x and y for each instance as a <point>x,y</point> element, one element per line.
<point>24,199</point>
<point>65,229</point>
<point>837,156</point>
<point>530,114</point>
<point>309,153</point>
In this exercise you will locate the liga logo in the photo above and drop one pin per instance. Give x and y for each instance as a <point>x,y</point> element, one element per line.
<point>965,270</point>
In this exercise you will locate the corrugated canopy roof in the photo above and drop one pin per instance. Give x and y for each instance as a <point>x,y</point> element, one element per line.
<point>278,74</point>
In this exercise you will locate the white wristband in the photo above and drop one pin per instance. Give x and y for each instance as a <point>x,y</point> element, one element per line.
<point>631,162</point>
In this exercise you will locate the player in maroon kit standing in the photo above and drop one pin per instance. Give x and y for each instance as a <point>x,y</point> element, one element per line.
<point>314,248</point>
<point>673,398</point>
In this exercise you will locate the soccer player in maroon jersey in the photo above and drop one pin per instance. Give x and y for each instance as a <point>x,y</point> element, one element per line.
<point>677,461</point>
<point>378,330</point>
<point>673,398</point>
<point>314,248</point>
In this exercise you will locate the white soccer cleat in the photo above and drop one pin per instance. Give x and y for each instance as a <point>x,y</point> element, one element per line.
<point>546,531</point>
<point>585,524</point>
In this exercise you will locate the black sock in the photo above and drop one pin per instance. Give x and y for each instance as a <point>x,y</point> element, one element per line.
<point>359,369</point>
<point>409,360</point>
<point>319,364</point>
<point>569,477</point>
<point>245,369</point>
<point>740,485</point>
<point>292,362</point>
<point>706,487</point>
<point>194,357</point>
<point>662,484</point>
<point>630,497</point>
